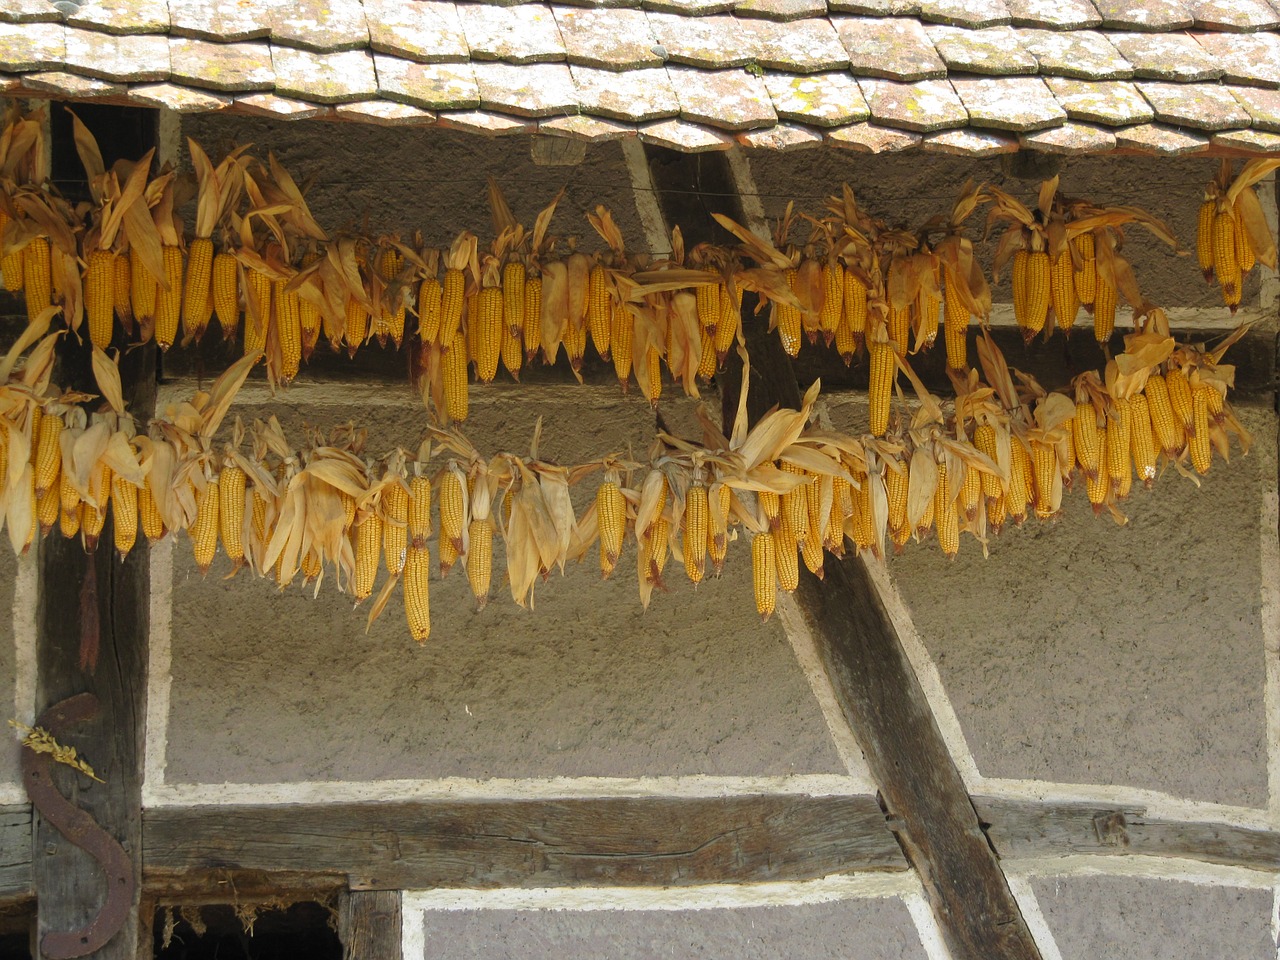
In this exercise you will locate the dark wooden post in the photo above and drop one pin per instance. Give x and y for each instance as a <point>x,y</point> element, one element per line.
<point>369,923</point>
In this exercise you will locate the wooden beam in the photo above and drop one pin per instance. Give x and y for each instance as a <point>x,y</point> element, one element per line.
<point>369,925</point>
<point>646,841</point>
<point>15,852</point>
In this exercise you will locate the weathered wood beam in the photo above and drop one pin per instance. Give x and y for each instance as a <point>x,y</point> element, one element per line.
<point>369,925</point>
<point>15,852</point>
<point>647,841</point>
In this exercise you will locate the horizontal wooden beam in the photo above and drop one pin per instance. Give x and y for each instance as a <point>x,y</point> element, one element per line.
<point>15,852</point>
<point>580,842</point>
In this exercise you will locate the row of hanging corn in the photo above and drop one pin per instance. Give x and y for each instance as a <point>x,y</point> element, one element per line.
<point>259,262</point>
<point>296,508</point>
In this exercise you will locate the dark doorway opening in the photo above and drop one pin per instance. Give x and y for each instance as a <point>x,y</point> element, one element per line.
<point>302,930</point>
<point>122,133</point>
<point>15,946</point>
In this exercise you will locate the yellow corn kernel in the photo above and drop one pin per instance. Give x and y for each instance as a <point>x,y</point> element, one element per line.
<point>480,559</point>
<point>417,601</point>
<point>786,560</point>
<point>367,534</point>
<point>1142,442</point>
<point>143,289</point>
<point>1169,428</point>
<point>1088,442</point>
<point>895,485</point>
<point>47,510</point>
<point>1086,278</point>
<point>1020,480</point>
<point>149,514</point>
<point>288,318</point>
<point>855,307</point>
<point>204,532</point>
<point>1062,291</point>
<point>945,518</point>
<point>100,296</point>
<point>1198,441</point>
<point>452,507</point>
<point>395,526</point>
<point>121,280</point>
<point>231,489</point>
<point>37,276</point>
<point>1100,488</point>
<point>419,511</point>
<point>764,575</point>
<point>490,333</point>
<point>196,306</point>
<point>832,299</point>
<point>452,298</point>
<point>10,263</point>
<point>169,302</point>
<point>900,328</point>
<point>124,514</point>
<point>718,526</point>
<point>1226,266</point>
<point>257,317</point>
<point>532,332</point>
<point>696,523</point>
<point>611,516</point>
<point>357,325</point>
<point>453,369</point>
<point>707,305</point>
<point>599,309</point>
<point>1245,257</point>
<point>1044,468</point>
<point>224,288</point>
<point>620,342</point>
<point>727,327</point>
<point>68,495</point>
<point>1037,292</point>
<point>1204,237</point>
<point>955,323</point>
<point>880,388</point>
<point>787,319</point>
<point>795,502</point>
<point>48,453</point>
<point>429,298</point>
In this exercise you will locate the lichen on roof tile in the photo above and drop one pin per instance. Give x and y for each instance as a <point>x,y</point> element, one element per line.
<point>590,129</point>
<point>221,20</point>
<point>1054,14</point>
<point>1086,54</point>
<point>29,11</point>
<point>1205,106</point>
<point>732,99</point>
<point>384,113</point>
<point>1114,103</point>
<point>32,46</point>
<point>801,46</point>
<point>780,9</point>
<point>871,138</point>
<point>487,123</point>
<point>1071,139</point>
<point>521,34</point>
<point>324,77</point>
<point>178,98</point>
<point>1252,58</point>
<point>425,30</point>
<point>876,8</point>
<point>822,99</point>
<point>1263,106</point>
<point>71,86</point>
<point>634,95</point>
<point>689,8</point>
<point>684,136</point>
<point>126,59</point>
<point>1254,141</point>
<point>611,39</point>
<point>1009,103</point>
<point>922,106</point>
<point>970,143</point>
<point>122,16</point>
<point>279,108</point>
<point>1144,14</point>
<point>325,26</point>
<point>1158,140</point>
<point>994,51</point>
<point>1233,15</point>
<point>432,86</point>
<point>965,13</point>
<point>527,90</point>
<point>222,66</point>
<point>895,48</point>
<point>1161,56</point>
<point>781,137</point>
<point>713,42</point>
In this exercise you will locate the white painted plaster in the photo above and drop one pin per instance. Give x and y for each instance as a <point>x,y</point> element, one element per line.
<point>1138,865</point>
<point>927,926</point>
<point>1034,918</point>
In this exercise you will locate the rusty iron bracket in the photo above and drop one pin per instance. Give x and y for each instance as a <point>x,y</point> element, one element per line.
<point>83,831</point>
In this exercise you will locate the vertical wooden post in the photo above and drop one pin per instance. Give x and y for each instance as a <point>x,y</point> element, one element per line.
<point>369,923</point>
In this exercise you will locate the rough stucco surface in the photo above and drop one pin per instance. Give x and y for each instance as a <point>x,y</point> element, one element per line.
<point>911,188</point>
<point>9,770</point>
<point>1084,652</point>
<point>865,929</point>
<point>429,180</point>
<point>282,687</point>
<point>1101,918</point>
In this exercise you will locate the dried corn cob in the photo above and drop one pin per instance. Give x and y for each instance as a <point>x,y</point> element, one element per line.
<point>100,296</point>
<point>231,492</point>
<point>395,526</point>
<point>696,523</point>
<point>764,574</point>
<point>169,302</point>
<point>367,537</point>
<point>204,532</point>
<point>124,514</point>
<point>417,600</point>
<point>611,515</point>
<point>480,559</point>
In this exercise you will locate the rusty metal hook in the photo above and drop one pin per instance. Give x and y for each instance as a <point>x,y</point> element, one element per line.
<point>83,831</point>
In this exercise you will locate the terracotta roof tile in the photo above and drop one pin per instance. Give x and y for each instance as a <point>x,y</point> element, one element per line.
<point>1071,139</point>
<point>222,20</point>
<point>1166,56</point>
<point>433,86</point>
<point>222,66</point>
<point>970,143</point>
<point>1023,103</point>
<point>876,8</point>
<point>1144,14</point>
<point>424,30</point>
<point>591,129</point>
<point>1252,140</point>
<point>9,82</point>
<point>965,13</point>
<point>732,99</point>
<point>1159,140</point>
<point>803,46</point>
<point>122,16</point>
<point>821,99</point>
<point>384,113</point>
<point>32,46</point>
<point>992,51</point>
<point>528,90</point>
<point>521,34</point>
<point>870,138</point>
<point>613,39</point>
<point>896,49</point>
<point>634,95</point>
<point>685,136</point>
<point>1086,54</point>
<point>691,8</point>
<point>781,9</point>
<point>1245,58</point>
<point>325,26</point>
<point>781,137</point>
<point>1111,102</point>
<point>485,122</point>
<point>923,106</point>
<point>1055,14</point>
<point>71,85</point>
<point>29,11</point>
<point>1263,106</point>
<point>1233,15</point>
<point>324,77</point>
<point>713,42</point>
<point>1203,106</point>
<point>279,108</point>
<point>126,59</point>
<point>178,98</point>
